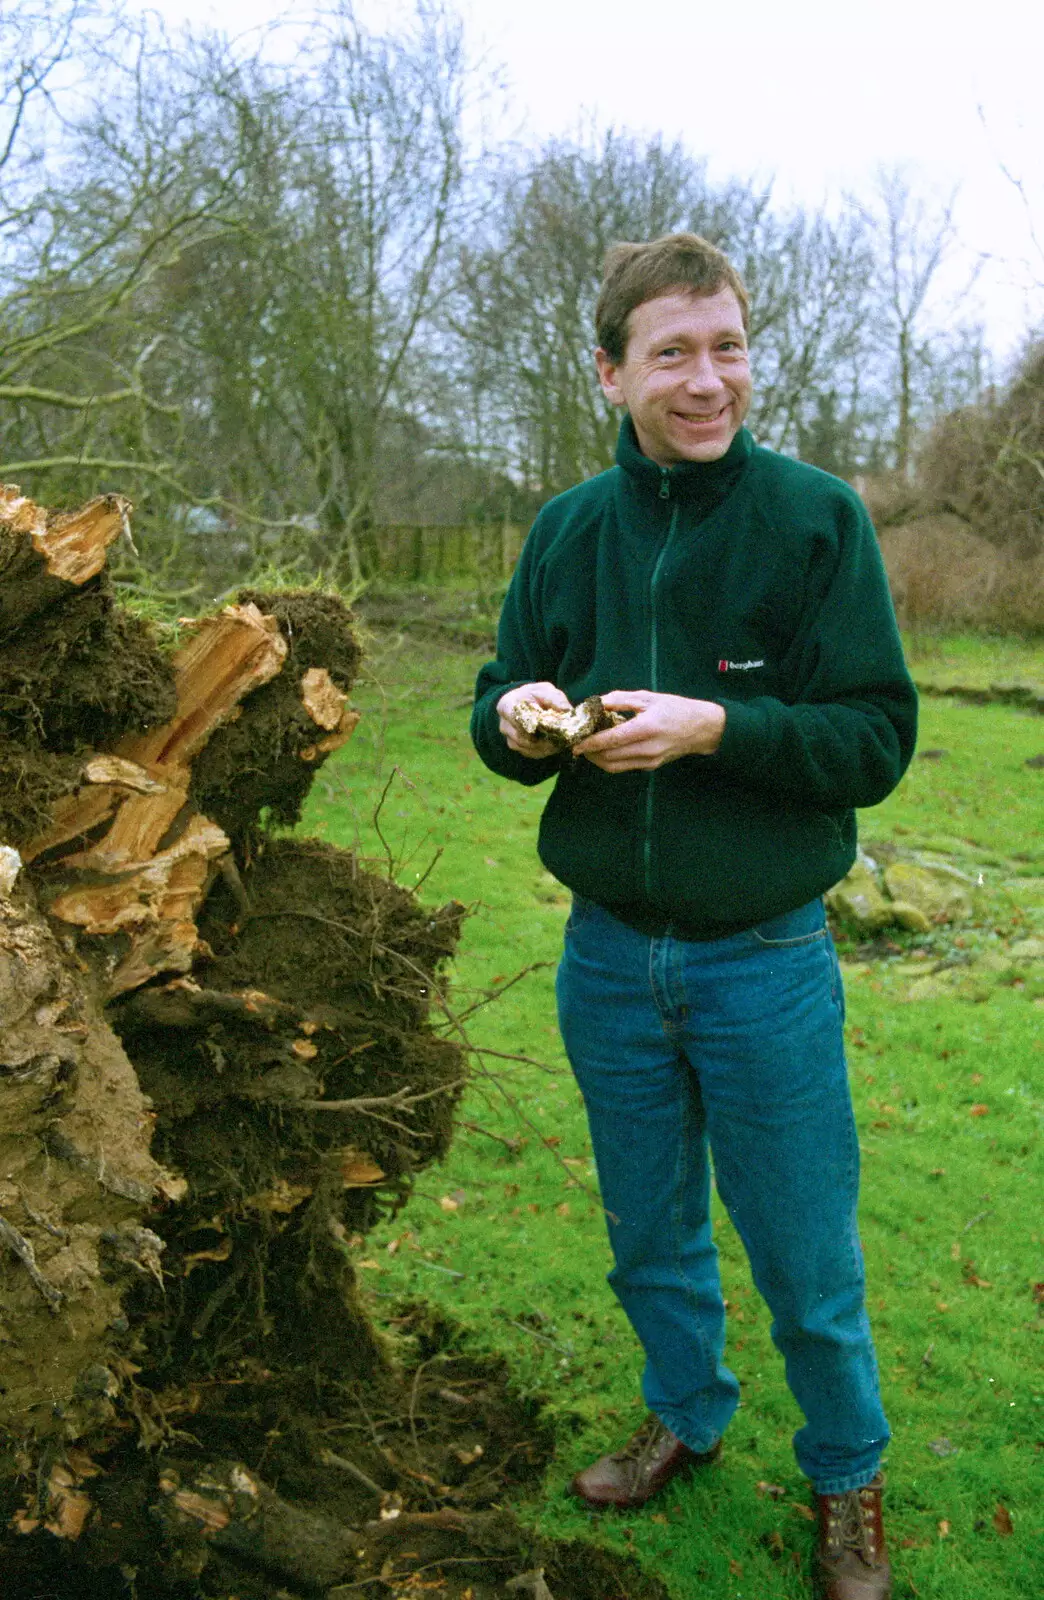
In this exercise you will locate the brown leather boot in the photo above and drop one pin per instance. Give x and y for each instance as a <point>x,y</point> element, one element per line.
<point>646,1464</point>
<point>851,1560</point>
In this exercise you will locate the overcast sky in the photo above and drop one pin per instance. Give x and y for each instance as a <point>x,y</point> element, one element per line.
<point>815,93</point>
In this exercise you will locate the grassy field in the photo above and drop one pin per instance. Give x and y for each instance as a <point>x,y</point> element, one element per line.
<point>507,1237</point>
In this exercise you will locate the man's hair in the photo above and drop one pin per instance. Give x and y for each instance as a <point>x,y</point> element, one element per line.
<point>679,263</point>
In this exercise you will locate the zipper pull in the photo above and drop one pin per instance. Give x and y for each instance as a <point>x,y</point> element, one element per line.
<point>665,483</point>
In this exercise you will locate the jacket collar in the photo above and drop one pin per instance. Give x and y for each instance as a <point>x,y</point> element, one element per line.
<point>701,484</point>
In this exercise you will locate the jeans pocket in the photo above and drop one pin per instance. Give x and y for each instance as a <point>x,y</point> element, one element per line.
<point>805,925</point>
<point>581,909</point>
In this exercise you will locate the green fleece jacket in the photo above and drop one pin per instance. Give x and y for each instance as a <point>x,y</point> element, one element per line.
<point>754,581</point>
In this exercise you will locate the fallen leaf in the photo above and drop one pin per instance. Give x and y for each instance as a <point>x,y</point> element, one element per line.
<point>658,1516</point>
<point>283,1197</point>
<point>773,1543</point>
<point>210,1514</point>
<point>735,1567</point>
<point>359,1169</point>
<point>955,1251</point>
<point>305,1049</point>
<point>772,1491</point>
<point>1002,1521</point>
<point>220,1252</point>
<point>1038,1293</point>
<point>803,1511</point>
<point>563,1209</point>
<point>979,1111</point>
<point>371,1266</point>
<point>944,1529</point>
<point>942,1305</point>
<point>448,1203</point>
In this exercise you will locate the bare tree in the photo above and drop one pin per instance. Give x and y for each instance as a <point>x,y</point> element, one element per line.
<point>300,330</point>
<point>916,236</point>
<point>524,310</point>
<point>111,206</point>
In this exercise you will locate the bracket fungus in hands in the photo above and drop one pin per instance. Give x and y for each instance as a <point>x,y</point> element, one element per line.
<point>565,728</point>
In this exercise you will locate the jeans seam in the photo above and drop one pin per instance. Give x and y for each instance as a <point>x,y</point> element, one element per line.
<point>790,944</point>
<point>681,1179</point>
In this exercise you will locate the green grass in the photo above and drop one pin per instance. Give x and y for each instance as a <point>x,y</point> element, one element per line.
<point>512,1244</point>
<point>975,659</point>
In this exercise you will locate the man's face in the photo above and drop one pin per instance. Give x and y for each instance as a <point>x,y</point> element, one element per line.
<point>685,376</point>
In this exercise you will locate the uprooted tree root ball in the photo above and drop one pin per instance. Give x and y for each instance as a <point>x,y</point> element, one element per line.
<point>223,1055</point>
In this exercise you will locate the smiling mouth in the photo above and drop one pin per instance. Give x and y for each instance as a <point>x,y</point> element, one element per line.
<point>701,419</point>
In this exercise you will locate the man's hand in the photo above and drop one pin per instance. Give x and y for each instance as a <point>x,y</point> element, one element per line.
<point>544,694</point>
<point>663,727</point>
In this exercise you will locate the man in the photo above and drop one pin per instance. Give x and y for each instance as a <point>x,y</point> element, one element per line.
<point>732,604</point>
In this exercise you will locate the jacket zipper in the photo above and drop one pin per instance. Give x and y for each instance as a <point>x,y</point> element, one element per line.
<point>654,669</point>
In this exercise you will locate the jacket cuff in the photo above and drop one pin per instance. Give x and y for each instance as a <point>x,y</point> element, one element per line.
<point>745,743</point>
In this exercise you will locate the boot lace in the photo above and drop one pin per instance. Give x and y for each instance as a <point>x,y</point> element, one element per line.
<point>642,1445</point>
<point>850,1524</point>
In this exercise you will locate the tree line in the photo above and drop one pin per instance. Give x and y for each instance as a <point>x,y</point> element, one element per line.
<point>280,295</point>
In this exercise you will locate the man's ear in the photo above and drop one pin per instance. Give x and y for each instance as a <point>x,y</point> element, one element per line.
<point>607,371</point>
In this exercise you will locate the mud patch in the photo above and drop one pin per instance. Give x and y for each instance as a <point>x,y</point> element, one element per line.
<point>400,1485</point>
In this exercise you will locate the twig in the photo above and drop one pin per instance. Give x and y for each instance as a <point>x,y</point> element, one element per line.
<point>523,1327</point>
<point>377,821</point>
<point>330,1459</point>
<point>979,1217</point>
<point>433,1266</point>
<point>428,870</point>
<point>27,1256</point>
<point>402,1100</point>
<point>414,1389</point>
<point>512,1145</point>
<point>42,1222</point>
<point>217,1300</point>
<point>512,1102</point>
<point>502,988</point>
<point>504,1055</point>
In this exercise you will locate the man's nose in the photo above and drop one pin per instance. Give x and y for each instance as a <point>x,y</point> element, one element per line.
<point>701,373</point>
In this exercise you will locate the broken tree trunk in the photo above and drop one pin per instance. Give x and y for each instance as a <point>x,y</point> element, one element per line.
<point>182,997</point>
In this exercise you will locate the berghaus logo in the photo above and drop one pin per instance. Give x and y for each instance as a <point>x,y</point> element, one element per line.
<point>739,666</point>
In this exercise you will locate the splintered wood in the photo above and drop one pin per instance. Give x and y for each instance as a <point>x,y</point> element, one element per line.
<point>73,544</point>
<point>328,708</point>
<point>225,657</point>
<point>147,875</point>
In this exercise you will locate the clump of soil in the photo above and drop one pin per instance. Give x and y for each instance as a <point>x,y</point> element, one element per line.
<point>77,676</point>
<point>31,780</point>
<point>316,994</point>
<point>83,674</point>
<point>402,1481</point>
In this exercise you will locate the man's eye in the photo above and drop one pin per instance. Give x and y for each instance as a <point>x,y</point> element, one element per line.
<point>671,350</point>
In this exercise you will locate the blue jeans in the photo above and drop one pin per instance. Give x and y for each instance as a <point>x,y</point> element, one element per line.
<point>731,1048</point>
